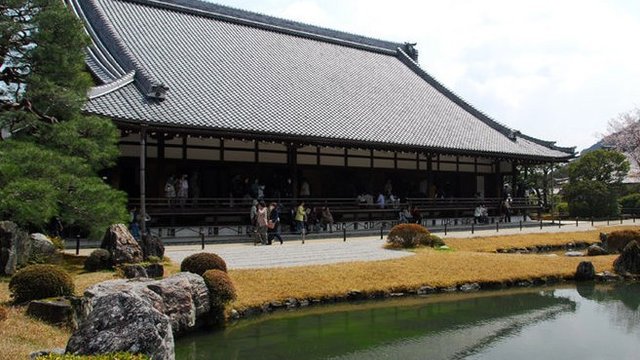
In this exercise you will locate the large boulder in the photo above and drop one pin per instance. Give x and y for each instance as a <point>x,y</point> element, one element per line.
<point>123,322</point>
<point>152,246</point>
<point>183,298</point>
<point>585,271</point>
<point>629,261</point>
<point>42,247</point>
<point>15,248</point>
<point>122,246</point>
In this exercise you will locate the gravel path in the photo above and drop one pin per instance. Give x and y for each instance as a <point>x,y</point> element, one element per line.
<point>293,253</point>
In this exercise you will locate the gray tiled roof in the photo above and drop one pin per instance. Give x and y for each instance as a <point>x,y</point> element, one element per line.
<point>226,72</point>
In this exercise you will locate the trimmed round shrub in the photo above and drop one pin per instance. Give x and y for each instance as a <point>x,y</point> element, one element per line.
<point>407,236</point>
<point>99,259</point>
<point>617,240</point>
<point>3,314</point>
<point>432,241</point>
<point>39,282</point>
<point>221,289</point>
<point>201,262</point>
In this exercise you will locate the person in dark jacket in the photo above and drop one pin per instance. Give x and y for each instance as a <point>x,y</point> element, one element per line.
<point>274,224</point>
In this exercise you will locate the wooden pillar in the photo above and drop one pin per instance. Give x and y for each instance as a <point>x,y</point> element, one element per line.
<point>143,185</point>
<point>429,175</point>
<point>514,177</point>
<point>293,168</point>
<point>458,184</point>
<point>499,185</point>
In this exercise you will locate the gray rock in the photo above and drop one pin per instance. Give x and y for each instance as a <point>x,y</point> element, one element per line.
<point>604,237</point>
<point>629,261</point>
<point>56,311</point>
<point>15,248</point>
<point>123,322</point>
<point>607,276</point>
<point>152,246</point>
<point>131,271</point>
<point>184,297</point>
<point>585,271</point>
<point>292,303</point>
<point>42,247</point>
<point>304,303</point>
<point>154,270</point>
<point>355,295</point>
<point>595,250</point>
<point>99,259</point>
<point>450,289</point>
<point>574,253</point>
<point>235,314</point>
<point>524,283</point>
<point>470,287</point>
<point>425,290</point>
<point>121,245</point>
<point>34,355</point>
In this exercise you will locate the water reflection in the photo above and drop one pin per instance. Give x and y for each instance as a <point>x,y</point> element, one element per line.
<point>621,300</point>
<point>488,325</point>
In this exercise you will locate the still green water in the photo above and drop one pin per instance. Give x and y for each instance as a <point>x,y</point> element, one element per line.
<point>587,322</point>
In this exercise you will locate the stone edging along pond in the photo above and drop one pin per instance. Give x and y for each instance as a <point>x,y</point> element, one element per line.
<point>535,249</point>
<point>356,295</point>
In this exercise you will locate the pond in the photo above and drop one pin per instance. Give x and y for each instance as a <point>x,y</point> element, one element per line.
<point>584,322</point>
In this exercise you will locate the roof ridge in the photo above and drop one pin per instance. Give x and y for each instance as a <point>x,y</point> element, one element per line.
<point>97,91</point>
<point>272,23</point>
<point>549,144</point>
<point>93,15</point>
<point>458,100</point>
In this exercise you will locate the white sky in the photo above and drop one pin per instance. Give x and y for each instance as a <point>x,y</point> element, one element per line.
<point>557,70</point>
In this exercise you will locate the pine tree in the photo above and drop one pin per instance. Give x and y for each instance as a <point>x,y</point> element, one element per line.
<point>50,154</point>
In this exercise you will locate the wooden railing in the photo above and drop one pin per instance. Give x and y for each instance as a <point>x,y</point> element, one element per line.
<point>236,211</point>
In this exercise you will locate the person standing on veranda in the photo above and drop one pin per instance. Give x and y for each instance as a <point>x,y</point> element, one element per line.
<point>299,217</point>
<point>262,221</point>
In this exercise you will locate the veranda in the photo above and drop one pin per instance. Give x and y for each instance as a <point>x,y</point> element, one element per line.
<point>225,173</point>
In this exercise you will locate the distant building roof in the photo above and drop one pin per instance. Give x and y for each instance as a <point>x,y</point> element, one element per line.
<point>190,64</point>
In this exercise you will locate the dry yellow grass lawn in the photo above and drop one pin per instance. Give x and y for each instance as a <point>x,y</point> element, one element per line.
<point>427,267</point>
<point>492,243</point>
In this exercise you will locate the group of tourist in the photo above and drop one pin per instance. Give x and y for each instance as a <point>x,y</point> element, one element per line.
<point>312,218</point>
<point>247,188</point>
<point>481,215</point>
<point>177,188</point>
<point>265,222</point>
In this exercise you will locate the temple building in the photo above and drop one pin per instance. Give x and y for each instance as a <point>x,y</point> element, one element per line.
<point>231,98</point>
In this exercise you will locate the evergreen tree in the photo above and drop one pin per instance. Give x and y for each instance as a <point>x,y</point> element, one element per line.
<point>50,154</point>
<point>594,183</point>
